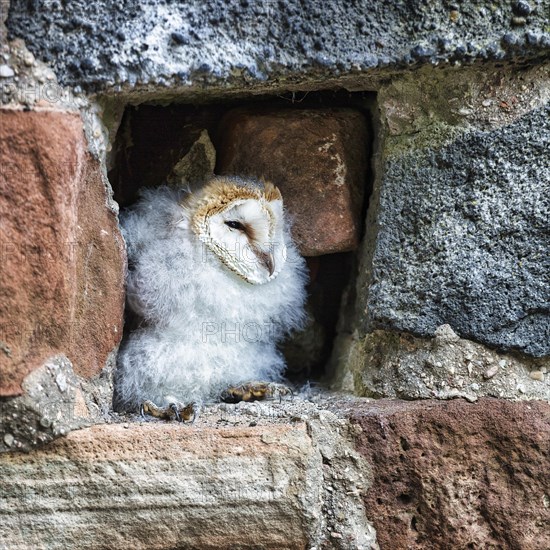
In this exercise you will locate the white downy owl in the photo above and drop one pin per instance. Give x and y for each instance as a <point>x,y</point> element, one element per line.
<point>216,282</point>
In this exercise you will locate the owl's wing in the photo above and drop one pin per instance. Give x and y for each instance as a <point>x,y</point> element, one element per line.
<point>152,218</point>
<point>160,253</point>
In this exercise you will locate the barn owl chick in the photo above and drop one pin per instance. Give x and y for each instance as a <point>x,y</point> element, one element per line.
<point>216,283</point>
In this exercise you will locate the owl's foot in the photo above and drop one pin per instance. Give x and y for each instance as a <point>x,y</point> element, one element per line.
<point>174,411</point>
<point>255,391</point>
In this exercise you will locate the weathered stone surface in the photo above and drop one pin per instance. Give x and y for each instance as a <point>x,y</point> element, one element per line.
<point>197,166</point>
<point>160,486</point>
<point>392,364</point>
<point>3,17</point>
<point>287,480</point>
<point>456,474</point>
<point>238,43</point>
<point>54,402</point>
<point>100,266</point>
<point>426,108</point>
<point>62,254</point>
<point>318,160</point>
<point>461,234</point>
<point>33,82</point>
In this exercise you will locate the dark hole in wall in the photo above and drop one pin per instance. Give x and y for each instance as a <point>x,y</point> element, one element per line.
<point>153,138</point>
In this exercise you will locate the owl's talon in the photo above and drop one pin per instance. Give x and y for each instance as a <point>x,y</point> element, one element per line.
<point>148,408</point>
<point>282,391</point>
<point>196,409</point>
<point>174,411</point>
<point>255,391</point>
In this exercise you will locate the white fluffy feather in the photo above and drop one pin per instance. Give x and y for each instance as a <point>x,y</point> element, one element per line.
<point>204,328</point>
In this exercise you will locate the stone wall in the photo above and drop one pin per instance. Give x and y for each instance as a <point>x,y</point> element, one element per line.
<point>412,137</point>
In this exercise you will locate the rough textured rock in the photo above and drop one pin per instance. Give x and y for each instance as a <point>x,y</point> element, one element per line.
<point>287,478</point>
<point>236,43</point>
<point>318,160</point>
<point>424,108</point>
<point>456,474</point>
<point>463,238</point>
<point>3,17</point>
<point>161,486</point>
<point>62,254</point>
<point>392,364</point>
<point>54,401</point>
<point>197,166</point>
<point>31,82</point>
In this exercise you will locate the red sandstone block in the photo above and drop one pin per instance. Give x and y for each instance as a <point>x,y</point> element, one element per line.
<point>453,474</point>
<point>62,256</point>
<point>317,157</point>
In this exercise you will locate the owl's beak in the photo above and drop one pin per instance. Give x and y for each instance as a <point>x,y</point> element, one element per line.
<point>267,260</point>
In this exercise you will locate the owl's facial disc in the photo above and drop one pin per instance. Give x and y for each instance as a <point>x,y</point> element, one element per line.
<point>247,237</point>
<point>265,257</point>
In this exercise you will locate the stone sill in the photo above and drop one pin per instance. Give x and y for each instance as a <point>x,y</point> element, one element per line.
<point>156,484</point>
<point>296,474</point>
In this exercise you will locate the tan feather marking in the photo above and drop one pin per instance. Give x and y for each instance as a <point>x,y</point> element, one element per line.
<point>271,192</point>
<point>219,194</point>
<point>250,232</point>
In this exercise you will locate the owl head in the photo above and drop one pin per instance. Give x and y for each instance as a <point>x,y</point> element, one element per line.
<point>241,221</point>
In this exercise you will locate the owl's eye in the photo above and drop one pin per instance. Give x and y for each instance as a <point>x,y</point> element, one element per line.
<point>235,225</point>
